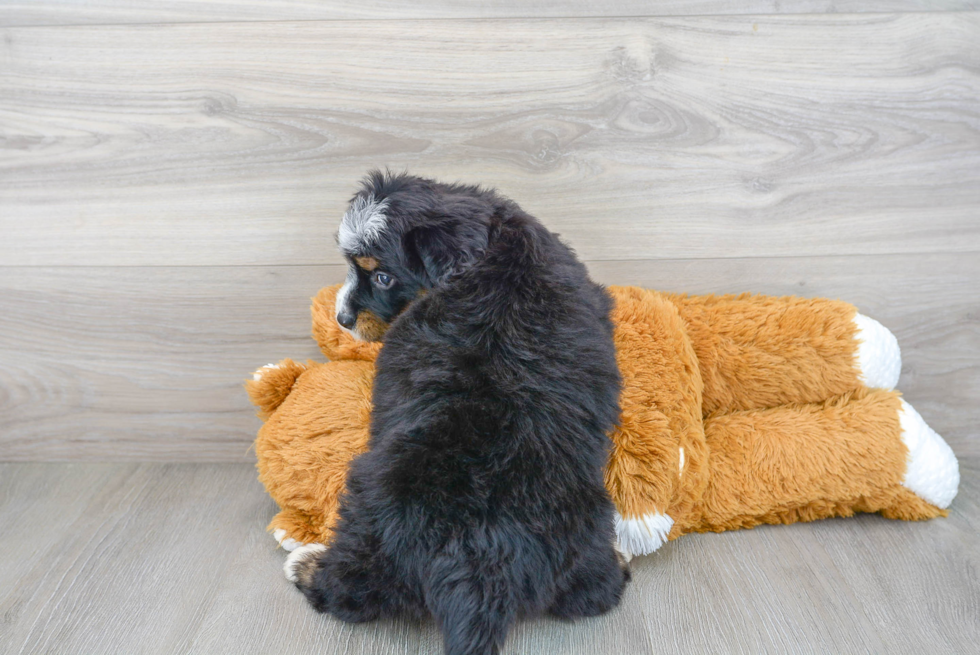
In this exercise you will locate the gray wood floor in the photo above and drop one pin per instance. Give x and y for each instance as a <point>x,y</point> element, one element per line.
<point>171,176</point>
<point>173,558</point>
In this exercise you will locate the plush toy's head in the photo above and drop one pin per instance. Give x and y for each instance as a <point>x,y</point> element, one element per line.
<point>401,236</point>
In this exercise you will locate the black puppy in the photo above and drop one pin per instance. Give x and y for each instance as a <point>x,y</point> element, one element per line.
<point>481,499</point>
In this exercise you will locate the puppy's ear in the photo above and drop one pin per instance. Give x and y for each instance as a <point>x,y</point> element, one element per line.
<point>446,248</point>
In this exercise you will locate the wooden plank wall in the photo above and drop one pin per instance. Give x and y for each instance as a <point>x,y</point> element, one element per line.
<point>171,179</point>
<point>102,12</point>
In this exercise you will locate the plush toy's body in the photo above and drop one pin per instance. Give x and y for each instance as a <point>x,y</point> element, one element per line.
<point>736,411</point>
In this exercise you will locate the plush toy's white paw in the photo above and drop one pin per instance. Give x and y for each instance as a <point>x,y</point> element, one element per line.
<point>301,560</point>
<point>287,543</point>
<point>257,375</point>
<point>879,359</point>
<point>932,471</point>
<point>642,535</point>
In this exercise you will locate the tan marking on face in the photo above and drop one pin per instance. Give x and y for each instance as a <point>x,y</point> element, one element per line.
<point>369,327</point>
<point>367,263</point>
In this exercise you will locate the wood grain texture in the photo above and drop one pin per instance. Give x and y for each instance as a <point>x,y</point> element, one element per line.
<point>138,364</point>
<point>238,144</point>
<point>144,363</point>
<point>141,558</point>
<point>88,12</point>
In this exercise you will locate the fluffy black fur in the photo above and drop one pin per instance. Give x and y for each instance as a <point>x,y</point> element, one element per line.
<point>481,499</point>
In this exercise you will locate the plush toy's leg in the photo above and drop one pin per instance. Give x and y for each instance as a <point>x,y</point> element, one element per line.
<point>878,359</point>
<point>868,451</point>
<point>287,543</point>
<point>932,471</point>
<point>762,351</point>
<point>293,528</point>
<point>271,384</point>
<point>658,452</point>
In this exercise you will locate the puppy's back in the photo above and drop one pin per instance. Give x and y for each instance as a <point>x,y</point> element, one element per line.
<point>493,399</point>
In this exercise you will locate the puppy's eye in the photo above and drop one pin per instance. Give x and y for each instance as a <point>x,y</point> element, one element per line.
<point>383,280</point>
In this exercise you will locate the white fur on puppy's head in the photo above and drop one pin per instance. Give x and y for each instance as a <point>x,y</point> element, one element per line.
<point>363,223</point>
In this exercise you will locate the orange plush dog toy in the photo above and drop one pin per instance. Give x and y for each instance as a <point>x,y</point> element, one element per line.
<point>736,411</point>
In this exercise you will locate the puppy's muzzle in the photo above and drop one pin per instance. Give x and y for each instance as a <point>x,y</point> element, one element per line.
<point>346,319</point>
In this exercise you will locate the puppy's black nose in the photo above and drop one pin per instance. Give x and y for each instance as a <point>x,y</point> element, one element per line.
<point>346,319</point>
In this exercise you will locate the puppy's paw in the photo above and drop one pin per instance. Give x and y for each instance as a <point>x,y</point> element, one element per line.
<point>288,543</point>
<point>302,563</point>
<point>623,559</point>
